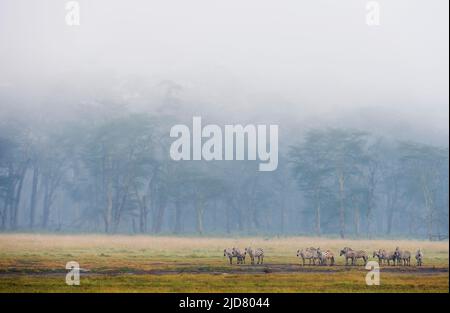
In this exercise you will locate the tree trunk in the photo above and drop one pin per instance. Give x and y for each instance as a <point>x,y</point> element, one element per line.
<point>159,215</point>
<point>143,216</point>
<point>109,207</point>
<point>46,206</point>
<point>178,216</point>
<point>428,197</point>
<point>200,206</point>
<point>318,214</point>
<point>357,217</point>
<point>341,207</point>
<point>15,220</point>
<point>33,199</point>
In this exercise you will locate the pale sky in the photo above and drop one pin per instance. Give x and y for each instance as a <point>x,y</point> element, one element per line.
<point>318,56</point>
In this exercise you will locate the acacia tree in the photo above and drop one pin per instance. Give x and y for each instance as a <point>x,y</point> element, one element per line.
<point>311,171</point>
<point>422,166</point>
<point>118,153</point>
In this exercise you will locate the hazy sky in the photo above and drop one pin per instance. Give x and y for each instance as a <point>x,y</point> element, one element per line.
<point>302,57</point>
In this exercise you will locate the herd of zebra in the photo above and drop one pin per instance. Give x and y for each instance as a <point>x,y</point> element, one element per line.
<point>316,255</point>
<point>231,253</point>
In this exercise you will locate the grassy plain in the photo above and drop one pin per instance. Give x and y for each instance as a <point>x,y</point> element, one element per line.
<point>119,263</point>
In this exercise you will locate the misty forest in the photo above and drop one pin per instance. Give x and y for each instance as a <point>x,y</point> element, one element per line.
<point>105,167</point>
<point>362,115</point>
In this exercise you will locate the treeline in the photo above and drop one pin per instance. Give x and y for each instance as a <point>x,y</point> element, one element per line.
<point>112,173</point>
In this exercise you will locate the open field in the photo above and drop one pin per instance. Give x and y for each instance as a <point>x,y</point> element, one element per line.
<point>36,263</point>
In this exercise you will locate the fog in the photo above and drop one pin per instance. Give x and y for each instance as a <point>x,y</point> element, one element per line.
<point>314,57</point>
<point>300,64</point>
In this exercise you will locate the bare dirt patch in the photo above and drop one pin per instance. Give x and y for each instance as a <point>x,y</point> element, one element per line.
<point>187,268</point>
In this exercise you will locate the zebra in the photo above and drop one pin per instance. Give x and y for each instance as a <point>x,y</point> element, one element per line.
<point>249,250</point>
<point>252,253</point>
<point>229,254</point>
<point>361,254</point>
<point>240,256</point>
<point>419,257</point>
<point>388,256</point>
<point>349,253</point>
<point>324,256</point>
<point>309,254</point>
<point>259,253</point>
<point>404,256</point>
<point>379,255</point>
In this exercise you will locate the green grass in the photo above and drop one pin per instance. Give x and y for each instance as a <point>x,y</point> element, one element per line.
<point>36,263</point>
<point>298,283</point>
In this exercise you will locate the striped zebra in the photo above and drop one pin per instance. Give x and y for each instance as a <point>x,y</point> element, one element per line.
<point>419,257</point>
<point>325,256</point>
<point>259,253</point>
<point>379,255</point>
<point>402,256</point>
<point>239,255</point>
<point>229,254</point>
<point>388,256</point>
<point>361,254</point>
<point>253,253</point>
<point>308,254</point>
<point>349,253</point>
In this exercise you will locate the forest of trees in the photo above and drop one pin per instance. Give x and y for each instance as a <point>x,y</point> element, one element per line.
<point>111,172</point>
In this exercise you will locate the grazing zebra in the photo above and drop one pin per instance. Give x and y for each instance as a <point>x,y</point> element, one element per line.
<point>309,254</point>
<point>419,257</point>
<point>325,256</point>
<point>379,255</point>
<point>404,256</point>
<point>240,256</point>
<point>229,254</point>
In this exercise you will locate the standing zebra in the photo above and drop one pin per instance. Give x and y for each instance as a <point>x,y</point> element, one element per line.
<point>404,256</point>
<point>240,256</point>
<point>379,255</point>
<point>388,256</point>
<point>325,256</point>
<point>419,257</point>
<point>252,253</point>
<point>259,253</point>
<point>229,254</point>
<point>309,254</point>
<point>349,253</point>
